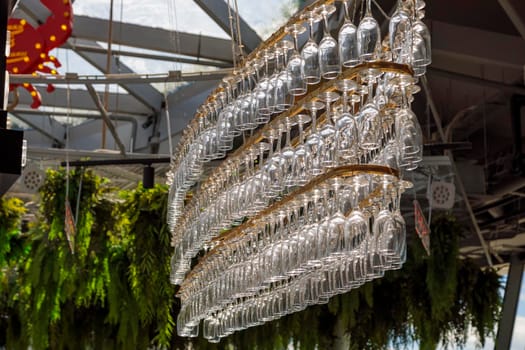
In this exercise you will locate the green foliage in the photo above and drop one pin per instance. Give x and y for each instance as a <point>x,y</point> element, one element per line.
<point>11,211</point>
<point>113,291</point>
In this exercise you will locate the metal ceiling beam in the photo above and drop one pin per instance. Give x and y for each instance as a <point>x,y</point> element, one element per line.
<point>145,93</point>
<point>80,99</point>
<point>156,39</point>
<point>106,118</point>
<point>37,152</point>
<point>45,126</point>
<point>218,11</point>
<point>148,56</point>
<point>76,114</point>
<point>515,10</point>
<point>132,78</point>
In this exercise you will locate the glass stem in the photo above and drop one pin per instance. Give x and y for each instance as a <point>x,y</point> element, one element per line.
<point>314,120</point>
<point>279,140</point>
<point>288,132</point>
<point>404,99</point>
<point>261,157</point>
<point>369,8</point>
<point>270,154</point>
<point>347,11</point>
<point>266,64</point>
<point>328,111</point>
<point>301,133</point>
<point>370,91</point>
<point>345,102</point>
<point>325,21</point>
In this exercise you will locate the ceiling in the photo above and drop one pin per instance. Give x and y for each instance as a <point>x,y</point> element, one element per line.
<point>464,107</point>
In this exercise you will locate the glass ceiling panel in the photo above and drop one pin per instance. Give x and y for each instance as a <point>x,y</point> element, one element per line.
<point>147,66</point>
<point>265,17</point>
<point>182,15</point>
<point>72,62</point>
<point>128,51</point>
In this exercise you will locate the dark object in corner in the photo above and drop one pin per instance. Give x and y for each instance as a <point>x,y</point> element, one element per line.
<point>11,158</point>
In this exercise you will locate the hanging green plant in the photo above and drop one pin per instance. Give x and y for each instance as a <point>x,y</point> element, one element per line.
<point>12,248</point>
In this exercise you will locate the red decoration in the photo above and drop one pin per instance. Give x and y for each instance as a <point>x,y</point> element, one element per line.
<point>30,46</point>
<point>422,229</point>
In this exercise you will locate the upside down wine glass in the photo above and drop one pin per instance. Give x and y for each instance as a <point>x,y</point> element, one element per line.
<point>310,52</point>
<point>348,40</point>
<point>296,64</point>
<point>329,62</point>
<point>368,36</point>
<point>314,142</point>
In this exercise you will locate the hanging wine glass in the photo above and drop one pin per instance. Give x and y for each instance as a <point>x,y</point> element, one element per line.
<point>296,64</point>
<point>301,165</point>
<point>421,46</point>
<point>263,83</point>
<point>329,63</point>
<point>314,141</point>
<point>283,97</point>
<point>288,154</point>
<point>348,39</point>
<point>310,51</point>
<point>328,131</point>
<point>400,33</point>
<point>346,126</point>
<point>368,35</point>
<point>369,116</point>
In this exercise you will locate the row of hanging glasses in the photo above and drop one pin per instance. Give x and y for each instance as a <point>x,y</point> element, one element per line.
<point>342,231</point>
<point>308,206</point>
<point>255,93</point>
<point>346,136</point>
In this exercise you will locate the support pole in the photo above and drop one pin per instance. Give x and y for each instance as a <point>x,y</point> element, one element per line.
<point>510,303</point>
<point>107,120</point>
<point>148,176</point>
